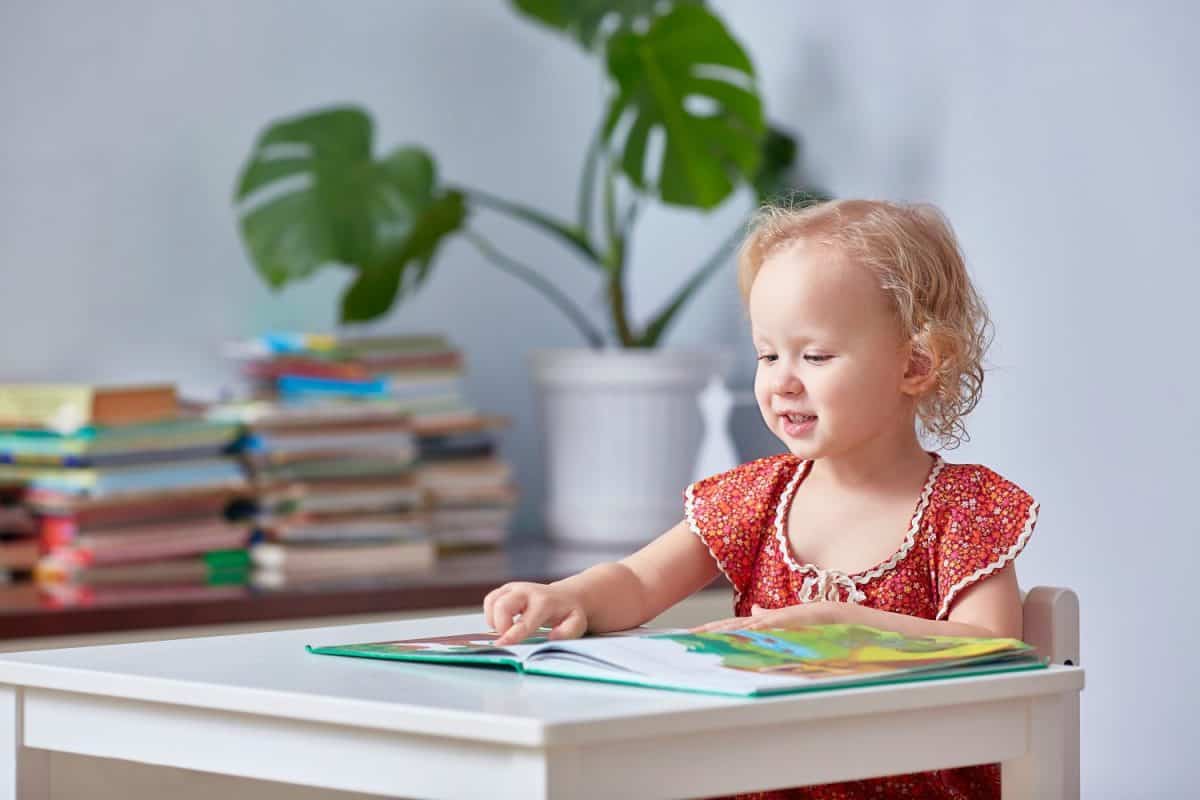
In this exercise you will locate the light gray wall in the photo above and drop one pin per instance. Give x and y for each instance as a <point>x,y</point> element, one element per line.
<point>1058,137</point>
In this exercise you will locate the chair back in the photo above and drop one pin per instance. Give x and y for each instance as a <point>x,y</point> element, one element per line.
<point>1051,623</point>
<point>1051,620</point>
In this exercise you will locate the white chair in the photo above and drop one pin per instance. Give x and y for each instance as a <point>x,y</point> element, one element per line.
<point>1051,624</point>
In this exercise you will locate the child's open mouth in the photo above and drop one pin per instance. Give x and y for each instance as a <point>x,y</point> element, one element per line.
<point>798,424</point>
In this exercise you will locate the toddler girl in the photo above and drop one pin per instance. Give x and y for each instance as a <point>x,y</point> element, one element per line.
<point>868,333</point>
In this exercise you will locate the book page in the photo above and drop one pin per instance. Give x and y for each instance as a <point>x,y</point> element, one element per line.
<point>766,661</point>
<point>464,646</point>
<point>459,644</point>
<point>649,662</point>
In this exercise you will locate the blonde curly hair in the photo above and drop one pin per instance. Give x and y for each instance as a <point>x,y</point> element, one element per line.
<point>915,255</point>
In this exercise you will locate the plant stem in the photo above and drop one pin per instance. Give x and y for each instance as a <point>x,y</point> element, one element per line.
<point>593,336</point>
<point>615,261</point>
<point>572,236</point>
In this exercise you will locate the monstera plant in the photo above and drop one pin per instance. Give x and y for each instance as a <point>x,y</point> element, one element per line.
<point>314,194</point>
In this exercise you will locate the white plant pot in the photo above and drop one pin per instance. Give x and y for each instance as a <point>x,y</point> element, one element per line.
<point>622,430</point>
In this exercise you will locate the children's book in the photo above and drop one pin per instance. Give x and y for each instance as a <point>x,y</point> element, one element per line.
<point>104,481</point>
<point>745,663</point>
<point>68,407</point>
<point>96,446</point>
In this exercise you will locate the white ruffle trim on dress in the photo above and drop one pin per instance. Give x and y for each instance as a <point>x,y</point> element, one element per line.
<point>830,584</point>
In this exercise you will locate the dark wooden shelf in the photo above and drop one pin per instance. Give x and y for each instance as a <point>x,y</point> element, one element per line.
<point>458,580</point>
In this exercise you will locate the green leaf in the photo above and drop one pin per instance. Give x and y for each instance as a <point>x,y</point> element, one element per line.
<point>312,195</point>
<point>404,269</point>
<point>288,238</point>
<point>589,20</point>
<point>686,58</point>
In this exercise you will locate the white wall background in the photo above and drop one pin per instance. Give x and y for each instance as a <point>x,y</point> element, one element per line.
<point>1058,137</point>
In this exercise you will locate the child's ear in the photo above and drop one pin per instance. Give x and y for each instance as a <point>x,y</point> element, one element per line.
<point>921,371</point>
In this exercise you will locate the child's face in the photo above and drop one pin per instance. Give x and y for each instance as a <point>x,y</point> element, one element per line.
<point>832,361</point>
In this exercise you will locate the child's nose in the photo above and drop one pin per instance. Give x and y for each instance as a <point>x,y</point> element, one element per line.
<point>787,382</point>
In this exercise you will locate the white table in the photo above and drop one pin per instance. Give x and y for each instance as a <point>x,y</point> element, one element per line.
<point>259,706</point>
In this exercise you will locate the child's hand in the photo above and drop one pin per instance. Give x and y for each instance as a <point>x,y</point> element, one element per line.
<point>819,613</point>
<point>536,605</point>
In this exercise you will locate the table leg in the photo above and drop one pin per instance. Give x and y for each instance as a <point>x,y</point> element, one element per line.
<point>1041,774</point>
<point>24,772</point>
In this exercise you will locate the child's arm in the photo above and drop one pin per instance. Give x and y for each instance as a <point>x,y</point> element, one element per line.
<point>989,608</point>
<point>606,597</point>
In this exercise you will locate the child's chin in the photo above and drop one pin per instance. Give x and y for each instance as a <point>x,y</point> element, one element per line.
<point>804,450</point>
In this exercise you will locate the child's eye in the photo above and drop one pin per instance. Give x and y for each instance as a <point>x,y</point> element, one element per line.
<point>814,358</point>
<point>767,358</point>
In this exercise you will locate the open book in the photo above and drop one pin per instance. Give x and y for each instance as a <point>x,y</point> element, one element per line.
<point>742,663</point>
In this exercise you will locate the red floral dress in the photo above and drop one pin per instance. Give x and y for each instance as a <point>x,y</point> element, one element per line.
<point>968,523</point>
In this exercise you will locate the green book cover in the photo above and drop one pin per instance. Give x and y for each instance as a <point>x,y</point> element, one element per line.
<point>745,663</point>
<point>39,446</point>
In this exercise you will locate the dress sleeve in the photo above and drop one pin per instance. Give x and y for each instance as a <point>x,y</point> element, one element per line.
<point>733,510</point>
<point>989,519</point>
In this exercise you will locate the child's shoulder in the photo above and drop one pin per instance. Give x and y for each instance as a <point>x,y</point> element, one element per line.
<point>732,511</point>
<point>766,473</point>
<point>981,522</point>
<point>754,486</point>
<point>973,480</point>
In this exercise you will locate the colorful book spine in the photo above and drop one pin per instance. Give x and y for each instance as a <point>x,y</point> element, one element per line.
<point>216,567</point>
<point>299,386</point>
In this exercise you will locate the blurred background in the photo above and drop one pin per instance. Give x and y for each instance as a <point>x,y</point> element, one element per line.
<point>1058,137</point>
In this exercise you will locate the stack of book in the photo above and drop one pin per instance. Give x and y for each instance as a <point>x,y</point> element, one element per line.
<point>469,489</point>
<point>418,375</point>
<point>364,450</point>
<point>335,493</point>
<point>123,486</point>
<point>332,453</point>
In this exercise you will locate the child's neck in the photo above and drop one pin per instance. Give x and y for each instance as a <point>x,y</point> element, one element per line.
<point>879,462</point>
